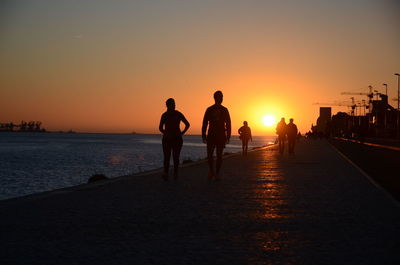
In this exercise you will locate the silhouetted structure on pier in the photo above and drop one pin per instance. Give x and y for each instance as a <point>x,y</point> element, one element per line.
<point>32,126</point>
<point>375,119</point>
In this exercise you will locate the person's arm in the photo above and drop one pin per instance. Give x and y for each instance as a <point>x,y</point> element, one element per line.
<point>204,127</point>
<point>251,137</point>
<point>187,124</point>
<point>162,123</point>
<point>228,126</point>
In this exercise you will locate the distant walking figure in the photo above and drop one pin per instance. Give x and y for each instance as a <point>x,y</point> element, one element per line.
<point>281,132</point>
<point>291,132</point>
<point>172,136</point>
<point>245,136</point>
<point>218,121</point>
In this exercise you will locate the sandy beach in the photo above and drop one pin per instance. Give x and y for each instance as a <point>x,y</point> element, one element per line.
<point>311,208</point>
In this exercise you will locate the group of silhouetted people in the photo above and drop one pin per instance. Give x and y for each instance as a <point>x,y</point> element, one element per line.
<point>215,132</point>
<point>216,120</point>
<point>288,131</point>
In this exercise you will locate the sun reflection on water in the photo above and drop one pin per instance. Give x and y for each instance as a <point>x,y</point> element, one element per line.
<point>115,159</point>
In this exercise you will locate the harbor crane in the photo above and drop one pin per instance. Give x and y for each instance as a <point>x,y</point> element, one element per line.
<point>352,104</point>
<point>370,95</point>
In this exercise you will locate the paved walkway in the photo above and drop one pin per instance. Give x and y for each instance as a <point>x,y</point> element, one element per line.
<point>312,208</point>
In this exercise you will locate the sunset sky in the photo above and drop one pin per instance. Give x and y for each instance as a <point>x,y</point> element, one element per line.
<point>109,66</point>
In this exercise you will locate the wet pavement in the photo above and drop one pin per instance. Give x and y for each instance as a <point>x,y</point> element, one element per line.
<point>311,208</point>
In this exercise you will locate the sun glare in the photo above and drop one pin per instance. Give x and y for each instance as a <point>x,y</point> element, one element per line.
<point>268,120</point>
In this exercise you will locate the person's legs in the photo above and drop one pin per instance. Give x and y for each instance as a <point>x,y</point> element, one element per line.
<point>210,151</point>
<point>246,146</point>
<point>176,151</point>
<point>294,144</point>
<point>291,146</point>
<point>243,146</point>
<point>220,149</point>
<point>281,144</point>
<point>167,156</point>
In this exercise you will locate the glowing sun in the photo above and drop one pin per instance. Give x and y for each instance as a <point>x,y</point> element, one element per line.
<point>268,120</point>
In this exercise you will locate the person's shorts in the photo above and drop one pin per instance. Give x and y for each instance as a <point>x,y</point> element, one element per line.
<point>172,142</point>
<point>217,141</point>
<point>245,139</point>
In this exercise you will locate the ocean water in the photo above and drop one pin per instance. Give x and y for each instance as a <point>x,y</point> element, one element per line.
<point>36,162</point>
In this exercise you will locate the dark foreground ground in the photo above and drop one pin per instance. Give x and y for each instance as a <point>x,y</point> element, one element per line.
<point>312,208</point>
<point>383,165</point>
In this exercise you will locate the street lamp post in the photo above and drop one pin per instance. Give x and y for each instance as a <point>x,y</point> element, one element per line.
<point>398,106</point>
<point>385,88</point>
<point>386,107</point>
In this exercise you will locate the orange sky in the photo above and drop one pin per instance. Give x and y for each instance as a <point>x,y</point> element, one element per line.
<point>97,66</point>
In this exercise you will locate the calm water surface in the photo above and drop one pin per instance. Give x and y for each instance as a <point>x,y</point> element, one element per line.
<point>35,162</point>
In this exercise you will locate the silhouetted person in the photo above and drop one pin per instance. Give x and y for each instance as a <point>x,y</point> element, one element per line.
<point>172,136</point>
<point>291,131</point>
<point>281,132</point>
<point>218,121</point>
<point>245,136</point>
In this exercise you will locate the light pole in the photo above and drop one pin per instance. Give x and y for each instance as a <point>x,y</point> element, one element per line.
<point>386,107</point>
<point>398,106</point>
<point>363,101</point>
<point>385,88</point>
<point>398,89</point>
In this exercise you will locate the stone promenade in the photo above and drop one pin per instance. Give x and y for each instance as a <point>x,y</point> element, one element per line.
<point>311,208</point>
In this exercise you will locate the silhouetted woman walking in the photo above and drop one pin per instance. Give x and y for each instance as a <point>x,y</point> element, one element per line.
<point>172,136</point>
<point>245,136</point>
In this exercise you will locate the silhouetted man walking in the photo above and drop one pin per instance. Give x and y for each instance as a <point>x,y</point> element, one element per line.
<point>291,131</point>
<point>245,136</point>
<point>218,121</point>
<point>281,132</point>
<point>172,136</point>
